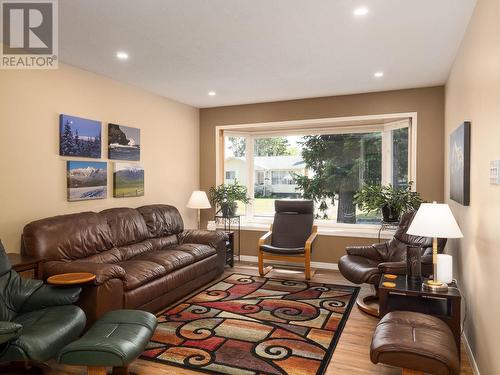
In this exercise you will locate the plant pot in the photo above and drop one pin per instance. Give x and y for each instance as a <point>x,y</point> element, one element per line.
<point>389,215</point>
<point>228,209</point>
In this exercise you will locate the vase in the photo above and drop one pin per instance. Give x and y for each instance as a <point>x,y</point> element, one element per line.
<point>389,215</point>
<point>228,209</point>
<point>413,263</point>
<point>211,225</point>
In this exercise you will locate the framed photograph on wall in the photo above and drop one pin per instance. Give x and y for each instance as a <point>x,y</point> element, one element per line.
<point>460,164</point>
<point>124,143</point>
<point>79,137</point>
<point>128,180</point>
<point>87,180</point>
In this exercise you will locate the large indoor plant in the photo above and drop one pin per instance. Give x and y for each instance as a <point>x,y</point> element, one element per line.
<point>225,197</point>
<point>391,201</point>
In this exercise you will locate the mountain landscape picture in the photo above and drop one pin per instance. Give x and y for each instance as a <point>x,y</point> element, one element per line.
<point>128,180</point>
<point>87,180</point>
<point>79,137</point>
<point>124,143</point>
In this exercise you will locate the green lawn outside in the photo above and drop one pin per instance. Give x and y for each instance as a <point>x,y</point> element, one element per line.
<point>265,207</point>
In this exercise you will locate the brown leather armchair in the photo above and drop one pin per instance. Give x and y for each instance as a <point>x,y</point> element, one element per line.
<point>291,235</point>
<point>366,264</point>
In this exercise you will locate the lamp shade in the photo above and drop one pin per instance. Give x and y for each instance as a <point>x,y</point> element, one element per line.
<point>198,200</point>
<point>434,220</point>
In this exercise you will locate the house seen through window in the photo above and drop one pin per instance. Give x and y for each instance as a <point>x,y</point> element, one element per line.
<point>326,167</point>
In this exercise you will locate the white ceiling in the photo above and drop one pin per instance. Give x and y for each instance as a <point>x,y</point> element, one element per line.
<point>263,50</point>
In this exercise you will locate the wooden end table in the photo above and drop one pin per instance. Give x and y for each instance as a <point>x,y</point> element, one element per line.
<point>24,265</point>
<point>74,278</point>
<point>409,296</point>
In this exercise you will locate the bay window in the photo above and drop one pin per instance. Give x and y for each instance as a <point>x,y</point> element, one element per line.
<point>325,164</point>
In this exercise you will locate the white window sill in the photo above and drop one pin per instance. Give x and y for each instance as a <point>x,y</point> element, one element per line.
<point>363,231</point>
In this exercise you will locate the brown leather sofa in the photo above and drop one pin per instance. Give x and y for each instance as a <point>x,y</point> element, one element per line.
<point>142,258</point>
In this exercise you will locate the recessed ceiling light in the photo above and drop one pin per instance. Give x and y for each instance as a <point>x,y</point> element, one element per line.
<point>361,11</point>
<point>122,55</point>
<point>212,93</point>
<point>378,74</point>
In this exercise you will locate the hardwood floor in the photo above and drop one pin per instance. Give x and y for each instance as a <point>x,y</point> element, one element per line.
<point>350,357</point>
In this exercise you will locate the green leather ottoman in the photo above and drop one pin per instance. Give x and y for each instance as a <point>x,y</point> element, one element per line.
<point>115,340</point>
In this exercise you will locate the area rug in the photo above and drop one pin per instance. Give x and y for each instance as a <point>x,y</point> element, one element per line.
<point>254,325</point>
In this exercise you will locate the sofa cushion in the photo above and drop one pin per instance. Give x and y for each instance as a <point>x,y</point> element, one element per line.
<point>162,220</point>
<point>126,224</point>
<point>133,250</point>
<point>163,243</point>
<point>198,251</point>
<point>140,272</point>
<point>170,259</point>
<point>67,237</point>
<point>109,256</point>
<point>176,282</point>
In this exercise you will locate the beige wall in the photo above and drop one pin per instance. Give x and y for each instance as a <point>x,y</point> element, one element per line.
<point>473,93</point>
<point>427,102</point>
<point>33,175</point>
<point>326,248</point>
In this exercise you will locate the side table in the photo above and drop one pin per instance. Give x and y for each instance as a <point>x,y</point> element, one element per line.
<point>409,296</point>
<point>230,249</point>
<point>231,224</point>
<point>67,279</point>
<point>24,265</point>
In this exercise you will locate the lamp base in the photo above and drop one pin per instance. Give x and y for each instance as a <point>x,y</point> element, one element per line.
<point>434,286</point>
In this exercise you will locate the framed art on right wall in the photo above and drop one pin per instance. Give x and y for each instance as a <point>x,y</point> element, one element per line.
<point>460,164</point>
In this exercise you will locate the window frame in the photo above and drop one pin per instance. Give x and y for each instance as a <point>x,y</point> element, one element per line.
<point>324,126</point>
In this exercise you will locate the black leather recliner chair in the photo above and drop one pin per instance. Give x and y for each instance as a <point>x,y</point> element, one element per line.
<point>36,320</point>
<point>366,264</point>
<point>291,235</point>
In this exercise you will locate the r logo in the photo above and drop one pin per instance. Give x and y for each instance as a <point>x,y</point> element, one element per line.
<point>27,27</point>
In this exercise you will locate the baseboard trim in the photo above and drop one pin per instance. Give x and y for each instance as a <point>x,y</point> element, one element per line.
<point>472,359</point>
<point>320,265</point>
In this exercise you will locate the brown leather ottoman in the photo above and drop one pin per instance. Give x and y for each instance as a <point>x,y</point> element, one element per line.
<point>417,342</point>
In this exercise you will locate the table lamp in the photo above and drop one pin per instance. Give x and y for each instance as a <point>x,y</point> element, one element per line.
<point>199,201</point>
<point>434,220</point>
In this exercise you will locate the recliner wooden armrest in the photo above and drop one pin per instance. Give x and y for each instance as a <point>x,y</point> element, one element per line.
<point>311,238</point>
<point>266,236</point>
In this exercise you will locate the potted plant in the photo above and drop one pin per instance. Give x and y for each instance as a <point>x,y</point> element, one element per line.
<point>225,196</point>
<point>391,201</point>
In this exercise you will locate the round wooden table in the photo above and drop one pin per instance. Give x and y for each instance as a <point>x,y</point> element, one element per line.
<point>73,278</point>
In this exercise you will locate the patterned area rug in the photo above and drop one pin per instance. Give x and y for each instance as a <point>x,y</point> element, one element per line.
<point>254,325</point>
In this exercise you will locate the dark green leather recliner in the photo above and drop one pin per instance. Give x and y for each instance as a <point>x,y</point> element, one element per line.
<point>36,320</point>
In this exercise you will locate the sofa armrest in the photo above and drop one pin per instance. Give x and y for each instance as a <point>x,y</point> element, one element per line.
<point>102,271</point>
<point>216,239</point>
<point>49,295</point>
<point>395,268</point>
<point>9,331</point>
<point>371,252</point>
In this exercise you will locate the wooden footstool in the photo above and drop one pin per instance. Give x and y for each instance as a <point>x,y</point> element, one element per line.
<point>115,340</point>
<point>416,342</point>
